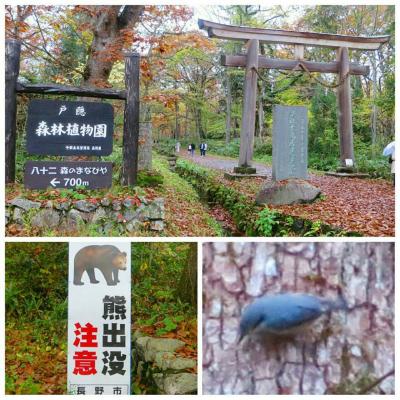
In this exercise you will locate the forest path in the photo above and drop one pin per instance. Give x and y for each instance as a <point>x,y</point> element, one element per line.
<point>224,163</point>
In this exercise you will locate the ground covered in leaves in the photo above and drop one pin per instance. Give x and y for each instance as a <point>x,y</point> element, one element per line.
<point>366,206</point>
<point>159,308</point>
<point>186,214</point>
<point>34,365</point>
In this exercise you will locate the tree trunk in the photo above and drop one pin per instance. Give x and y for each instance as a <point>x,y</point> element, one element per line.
<point>107,45</point>
<point>345,352</point>
<point>186,121</point>
<point>236,127</point>
<point>228,109</point>
<point>374,95</point>
<point>198,123</point>
<point>187,287</point>
<point>12,64</point>
<point>177,126</point>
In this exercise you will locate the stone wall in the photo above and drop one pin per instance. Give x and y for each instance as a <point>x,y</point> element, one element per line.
<point>67,217</point>
<point>145,146</point>
<point>346,352</point>
<point>160,368</point>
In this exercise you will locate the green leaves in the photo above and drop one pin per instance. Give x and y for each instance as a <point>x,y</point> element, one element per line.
<point>266,221</point>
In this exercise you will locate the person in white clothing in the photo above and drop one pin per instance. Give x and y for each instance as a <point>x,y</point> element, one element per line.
<point>393,165</point>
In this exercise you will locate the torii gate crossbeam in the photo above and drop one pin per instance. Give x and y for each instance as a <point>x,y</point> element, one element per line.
<point>252,61</point>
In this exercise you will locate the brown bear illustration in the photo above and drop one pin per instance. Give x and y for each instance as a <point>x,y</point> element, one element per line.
<point>108,259</point>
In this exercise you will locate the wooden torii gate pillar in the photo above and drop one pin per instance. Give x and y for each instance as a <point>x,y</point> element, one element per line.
<point>252,62</point>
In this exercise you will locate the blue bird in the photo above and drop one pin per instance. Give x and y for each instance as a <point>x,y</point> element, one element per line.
<point>286,313</point>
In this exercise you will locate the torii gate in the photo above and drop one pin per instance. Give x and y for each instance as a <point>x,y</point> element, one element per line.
<point>252,61</point>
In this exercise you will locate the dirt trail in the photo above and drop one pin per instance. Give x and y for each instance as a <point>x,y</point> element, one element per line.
<point>224,164</point>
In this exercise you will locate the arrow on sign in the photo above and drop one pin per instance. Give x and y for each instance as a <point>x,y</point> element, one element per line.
<point>54,182</point>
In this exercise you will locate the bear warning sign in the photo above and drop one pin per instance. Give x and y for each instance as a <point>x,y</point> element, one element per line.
<point>99,318</point>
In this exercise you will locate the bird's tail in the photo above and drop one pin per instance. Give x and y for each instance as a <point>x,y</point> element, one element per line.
<point>336,305</point>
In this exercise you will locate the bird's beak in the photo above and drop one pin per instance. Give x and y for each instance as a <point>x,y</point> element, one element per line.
<point>242,335</point>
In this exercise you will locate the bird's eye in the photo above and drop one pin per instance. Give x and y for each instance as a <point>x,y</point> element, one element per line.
<point>258,322</point>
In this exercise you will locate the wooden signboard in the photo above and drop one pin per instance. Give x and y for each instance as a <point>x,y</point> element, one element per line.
<point>67,174</point>
<point>69,128</point>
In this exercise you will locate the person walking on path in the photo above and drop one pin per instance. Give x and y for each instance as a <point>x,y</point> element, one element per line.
<point>190,149</point>
<point>389,151</point>
<point>193,146</point>
<point>203,148</point>
<point>393,166</point>
<point>177,147</point>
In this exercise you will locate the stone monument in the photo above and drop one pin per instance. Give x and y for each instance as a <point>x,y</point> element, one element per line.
<point>289,159</point>
<point>289,142</point>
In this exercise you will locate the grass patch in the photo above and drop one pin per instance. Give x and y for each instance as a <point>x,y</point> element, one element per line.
<point>186,214</point>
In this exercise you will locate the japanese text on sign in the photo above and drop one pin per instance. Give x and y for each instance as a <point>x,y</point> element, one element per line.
<point>67,174</point>
<point>99,333</point>
<point>69,127</point>
<point>52,170</point>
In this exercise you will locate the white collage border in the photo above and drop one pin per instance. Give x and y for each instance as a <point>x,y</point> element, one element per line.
<point>195,239</point>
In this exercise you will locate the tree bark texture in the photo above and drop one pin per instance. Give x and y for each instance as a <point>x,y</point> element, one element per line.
<point>344,352</point>
<point>12,57</point>
<point>131,120</point>
<point>187,287</point>
<point>109,23</point>
<point>177,132</point>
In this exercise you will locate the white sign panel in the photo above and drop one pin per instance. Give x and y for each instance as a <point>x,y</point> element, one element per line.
<point>349,162</point>
<point>99,318</point>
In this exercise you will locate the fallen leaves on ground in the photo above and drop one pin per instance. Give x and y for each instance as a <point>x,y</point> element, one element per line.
<point>224,218</point>
<point>31,367</point>
<point>359,205</point>
<point>186,331</point>
<point>355,205</point>
<point>366,206</point>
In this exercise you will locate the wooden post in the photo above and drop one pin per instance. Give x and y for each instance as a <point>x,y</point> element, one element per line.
<point>345,124</point>
<point>13,51</point>
<point>249,108</point>
<point>131,120</point>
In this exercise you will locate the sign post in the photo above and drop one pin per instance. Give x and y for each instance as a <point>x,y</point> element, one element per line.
<point>67,174</point>
<point>69,128</point>
<point>99,319</point>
